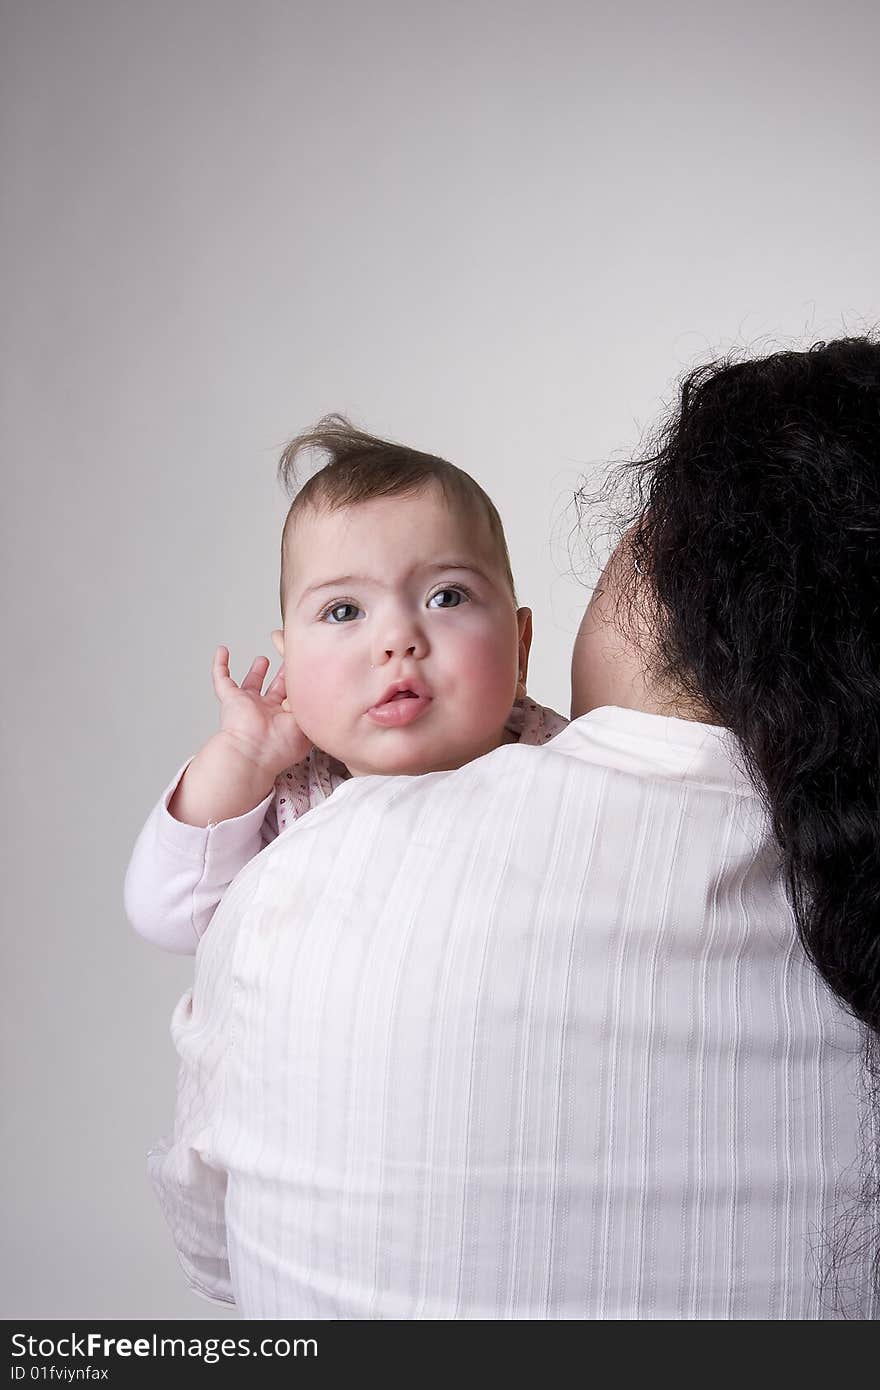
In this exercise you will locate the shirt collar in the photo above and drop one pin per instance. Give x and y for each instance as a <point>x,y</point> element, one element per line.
<point>684,749</point>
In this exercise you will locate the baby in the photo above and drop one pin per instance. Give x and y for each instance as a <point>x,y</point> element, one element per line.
<point>405,555</point>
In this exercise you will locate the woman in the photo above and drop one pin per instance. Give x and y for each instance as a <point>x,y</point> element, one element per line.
<point>746,595</point>
<point>757,547</point>
<point>551,1036</point>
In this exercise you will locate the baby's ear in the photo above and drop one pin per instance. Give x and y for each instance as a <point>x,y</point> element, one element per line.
<point>524,628</point>
<point>278,639</point>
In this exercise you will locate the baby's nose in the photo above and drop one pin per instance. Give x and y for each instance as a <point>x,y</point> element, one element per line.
<point>407,641</point>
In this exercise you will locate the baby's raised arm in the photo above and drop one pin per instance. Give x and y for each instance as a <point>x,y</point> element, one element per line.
<point>215,817</point>
<point>237,767</point>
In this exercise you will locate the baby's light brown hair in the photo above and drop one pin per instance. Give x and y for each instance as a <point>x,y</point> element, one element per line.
<point>362,467</point>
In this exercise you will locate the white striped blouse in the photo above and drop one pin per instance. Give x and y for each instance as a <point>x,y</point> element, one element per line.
<point>530,1039</point>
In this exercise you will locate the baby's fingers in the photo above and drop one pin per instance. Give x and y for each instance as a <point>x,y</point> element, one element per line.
<point>276,690</point>
<point>223,682</point>
<point>224,685</point>
<point>256,675</point>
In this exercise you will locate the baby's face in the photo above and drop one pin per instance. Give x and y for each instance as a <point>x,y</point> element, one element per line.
<point>396,595</point>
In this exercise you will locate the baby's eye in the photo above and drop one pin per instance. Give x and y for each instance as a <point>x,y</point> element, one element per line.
<point>340,613</point>
<point>451,598</point>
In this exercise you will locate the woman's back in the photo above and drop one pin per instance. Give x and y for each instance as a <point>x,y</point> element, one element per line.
<point>531,1039</point>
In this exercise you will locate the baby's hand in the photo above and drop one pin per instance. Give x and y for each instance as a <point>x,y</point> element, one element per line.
<point>260,726</point>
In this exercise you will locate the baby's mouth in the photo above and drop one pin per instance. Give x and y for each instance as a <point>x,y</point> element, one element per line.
<point>399,707</point>
<point>399,691</point>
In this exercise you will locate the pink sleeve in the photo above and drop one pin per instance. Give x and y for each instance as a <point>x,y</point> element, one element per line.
<point>178,873</point>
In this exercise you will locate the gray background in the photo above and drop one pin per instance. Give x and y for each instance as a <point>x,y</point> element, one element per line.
<point>497,231</point>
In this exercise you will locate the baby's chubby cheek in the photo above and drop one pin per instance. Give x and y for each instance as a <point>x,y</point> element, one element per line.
<point>489,681</point>
<point>315,708</point>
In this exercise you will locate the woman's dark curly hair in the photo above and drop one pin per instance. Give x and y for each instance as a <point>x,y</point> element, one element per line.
<point>757,527</point>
